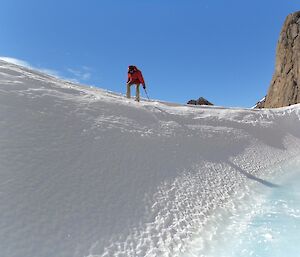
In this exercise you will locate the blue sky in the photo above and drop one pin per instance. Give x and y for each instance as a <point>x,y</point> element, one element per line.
<point>221,50</point>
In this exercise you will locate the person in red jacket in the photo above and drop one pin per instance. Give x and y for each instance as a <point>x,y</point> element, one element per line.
<point>135,77</point>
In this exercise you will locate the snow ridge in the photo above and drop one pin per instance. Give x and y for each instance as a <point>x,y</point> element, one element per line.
<point>87,172</point>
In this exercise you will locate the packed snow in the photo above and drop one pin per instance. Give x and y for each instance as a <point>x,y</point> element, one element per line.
<point>87,172</point>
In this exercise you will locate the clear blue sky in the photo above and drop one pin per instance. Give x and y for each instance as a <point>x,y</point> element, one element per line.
<point>223,50</point>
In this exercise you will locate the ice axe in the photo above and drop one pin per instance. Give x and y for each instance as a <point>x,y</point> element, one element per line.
<point>146,93</point>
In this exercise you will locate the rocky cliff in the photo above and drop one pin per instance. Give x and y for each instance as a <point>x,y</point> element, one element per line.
<point>284,89</point>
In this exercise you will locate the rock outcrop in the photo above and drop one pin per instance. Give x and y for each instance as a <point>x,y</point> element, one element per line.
<point>260,104</point>
<point>200,101</point>
<point>285,86</point>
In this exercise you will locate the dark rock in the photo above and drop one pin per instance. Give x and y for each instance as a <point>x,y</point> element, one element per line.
<point>193,102</point>
<point>260,104</point>
<point>200,101</point>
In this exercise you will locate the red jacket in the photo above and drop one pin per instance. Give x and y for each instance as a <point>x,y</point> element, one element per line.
<point>136,77</point>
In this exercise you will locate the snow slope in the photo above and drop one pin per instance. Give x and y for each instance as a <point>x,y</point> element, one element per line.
<point>86,172</point>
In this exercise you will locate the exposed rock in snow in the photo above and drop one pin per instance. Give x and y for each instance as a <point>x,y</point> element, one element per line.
<point>86,172</point>
<point>260,104</point>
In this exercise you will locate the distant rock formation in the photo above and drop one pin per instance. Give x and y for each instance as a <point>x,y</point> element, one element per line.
<point>285,86</point>
<point>200,101</point>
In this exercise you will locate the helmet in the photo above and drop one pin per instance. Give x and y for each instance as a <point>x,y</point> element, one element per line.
<point>132,69</point>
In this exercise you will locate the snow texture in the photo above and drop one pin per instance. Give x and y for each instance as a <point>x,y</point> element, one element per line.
<point>87,172</point>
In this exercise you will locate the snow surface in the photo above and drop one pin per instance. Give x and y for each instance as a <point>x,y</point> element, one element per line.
<point>87,172</point>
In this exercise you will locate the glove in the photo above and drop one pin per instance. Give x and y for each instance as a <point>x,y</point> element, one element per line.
<point>144,86</point>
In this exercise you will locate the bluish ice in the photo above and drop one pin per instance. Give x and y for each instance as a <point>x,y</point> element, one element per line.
<point>263,221</point>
